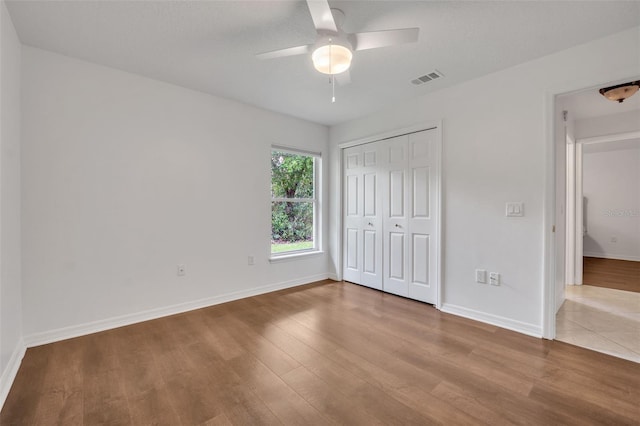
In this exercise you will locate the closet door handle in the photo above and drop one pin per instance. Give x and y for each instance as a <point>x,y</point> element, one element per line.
<point>397,226</point>
<point>370,224</point>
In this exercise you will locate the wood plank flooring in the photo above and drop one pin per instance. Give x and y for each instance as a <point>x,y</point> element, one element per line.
<point>326,353</point>
<point>612,273</point>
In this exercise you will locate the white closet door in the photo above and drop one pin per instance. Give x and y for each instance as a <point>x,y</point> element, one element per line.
<point>395,219</point>
<point>352,252</point>
<point>390,239</point>
<point>362,225</point>
<point>423,175</point>
<point>371,217</point>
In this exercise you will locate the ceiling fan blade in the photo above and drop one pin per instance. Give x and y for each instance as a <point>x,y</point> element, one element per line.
<point>322,16</point>
<point>375,39</point>
<point>343,78</point>
<point>291,51</point>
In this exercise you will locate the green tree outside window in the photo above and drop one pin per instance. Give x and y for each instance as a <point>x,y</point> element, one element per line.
<point>293,202</point>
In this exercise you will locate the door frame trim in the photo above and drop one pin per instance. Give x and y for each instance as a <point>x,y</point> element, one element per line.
<point>574,247</point>
<point>550,117</point>
<point>418,127</point>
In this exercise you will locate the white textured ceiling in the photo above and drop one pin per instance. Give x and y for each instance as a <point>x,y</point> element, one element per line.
<point>210,45</point>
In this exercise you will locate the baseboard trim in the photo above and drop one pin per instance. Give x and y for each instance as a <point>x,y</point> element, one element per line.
<point>612,256</point>
<point>333,277</point>
<point>10,372</point>
<point>502,322</point>
<point>42,338</point>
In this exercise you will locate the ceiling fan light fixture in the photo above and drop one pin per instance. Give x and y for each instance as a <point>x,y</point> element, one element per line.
<point>620,92</point>
<point>332,58</point>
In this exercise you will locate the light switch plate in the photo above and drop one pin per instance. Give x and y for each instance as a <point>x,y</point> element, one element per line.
<point>515,209</point>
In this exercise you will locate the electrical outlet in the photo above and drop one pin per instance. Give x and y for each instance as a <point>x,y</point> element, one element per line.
<point>481,276</point>
<point>251,260</point>
<point>614,239</point>
<point>182,270</point>
<point>494,278</point>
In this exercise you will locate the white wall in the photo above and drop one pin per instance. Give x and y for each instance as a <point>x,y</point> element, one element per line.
<point>611,182</point>
<point>496,141</point>
<point>11,346</point>
<point>125,177</point>
<point>608,124</point>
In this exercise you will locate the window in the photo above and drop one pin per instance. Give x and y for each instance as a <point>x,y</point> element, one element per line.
<point>294,202</point>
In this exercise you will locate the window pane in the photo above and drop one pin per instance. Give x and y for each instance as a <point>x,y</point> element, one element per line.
<point>291,226</point>
<point>291,175</point>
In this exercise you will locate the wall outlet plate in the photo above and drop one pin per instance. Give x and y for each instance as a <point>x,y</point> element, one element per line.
<point>182,270</point>
<point>494,278</point>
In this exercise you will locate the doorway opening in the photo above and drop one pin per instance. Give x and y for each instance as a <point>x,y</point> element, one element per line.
<point>598,218</point>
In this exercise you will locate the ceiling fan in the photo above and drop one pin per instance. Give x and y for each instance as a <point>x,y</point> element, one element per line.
<point>333,50</point>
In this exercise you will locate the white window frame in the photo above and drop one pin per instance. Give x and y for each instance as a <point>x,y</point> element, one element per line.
<point>316,249</point>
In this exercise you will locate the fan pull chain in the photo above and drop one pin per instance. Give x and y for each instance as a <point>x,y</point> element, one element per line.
<point>333,88</point>
<point>333,77</point>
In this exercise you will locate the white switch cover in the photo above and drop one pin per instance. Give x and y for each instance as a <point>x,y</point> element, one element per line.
<point>481,276</point>
<point>494,278</point>
<point>251,260</point>
<point>515,209</point>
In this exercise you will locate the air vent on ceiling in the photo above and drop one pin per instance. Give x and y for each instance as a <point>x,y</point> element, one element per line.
<point>433,75</point>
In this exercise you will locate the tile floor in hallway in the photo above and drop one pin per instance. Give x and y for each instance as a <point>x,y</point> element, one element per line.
<point>601,319</point>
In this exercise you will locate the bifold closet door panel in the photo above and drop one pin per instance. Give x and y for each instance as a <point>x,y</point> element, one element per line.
<point>371,218</point>
<point>423,163</point>
<point>394,200</point>
<point>352,252</point>
<point>362,224</point>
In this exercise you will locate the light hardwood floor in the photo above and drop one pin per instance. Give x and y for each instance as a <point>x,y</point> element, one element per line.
<point>612,273</point>
<point>329,353</point>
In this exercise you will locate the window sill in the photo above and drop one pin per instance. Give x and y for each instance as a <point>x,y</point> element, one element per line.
<point>294,256</point>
